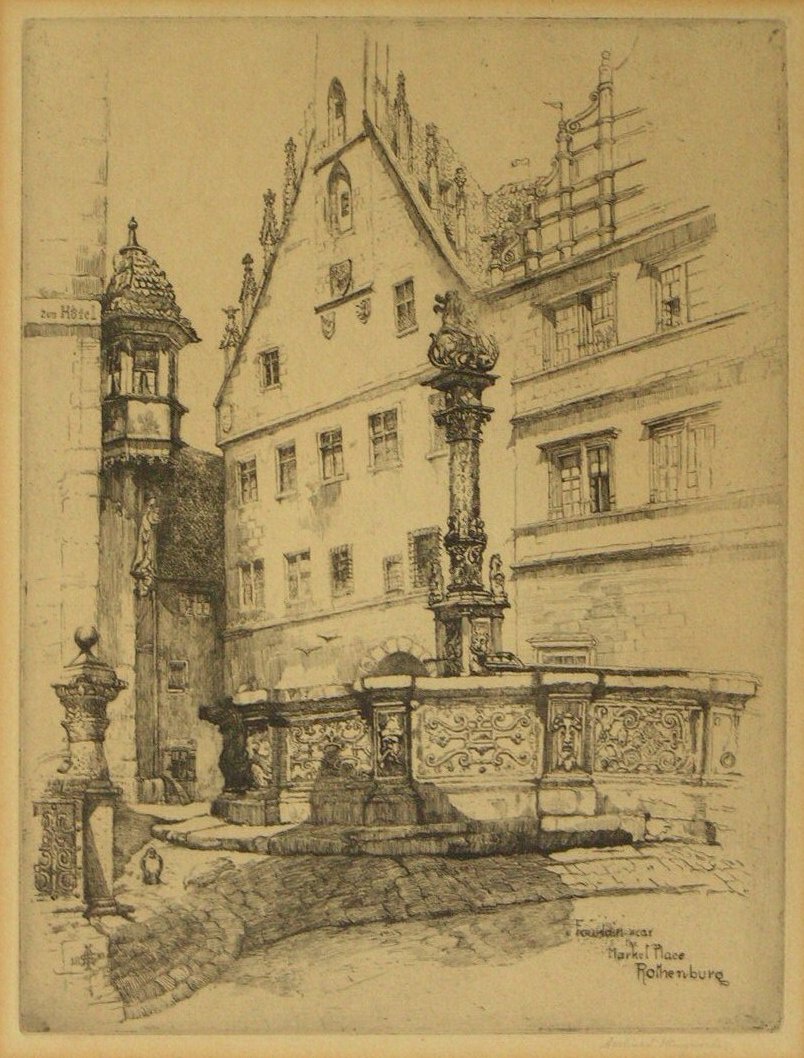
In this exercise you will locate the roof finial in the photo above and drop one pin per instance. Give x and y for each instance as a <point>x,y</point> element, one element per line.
<point>248,291</point>
<point>231,333</point>
<point>132,232</point>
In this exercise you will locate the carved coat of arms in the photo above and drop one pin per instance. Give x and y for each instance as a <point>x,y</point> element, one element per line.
<point>340,278</point>
<point>363,309</point>
<point>328,324</point>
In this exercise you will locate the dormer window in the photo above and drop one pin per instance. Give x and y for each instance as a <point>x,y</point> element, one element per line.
<point>340,199</point>
<point>336,113</point>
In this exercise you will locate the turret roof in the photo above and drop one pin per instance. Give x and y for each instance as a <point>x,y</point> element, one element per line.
<point>139,287</point>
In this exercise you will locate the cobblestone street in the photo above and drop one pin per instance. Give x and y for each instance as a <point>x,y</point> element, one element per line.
<point>502,972</point>
<point>218,907</point>
<point>214,909</point>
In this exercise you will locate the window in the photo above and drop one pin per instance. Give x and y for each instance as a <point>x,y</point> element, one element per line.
<point>252,585</point>
<point>339,196</point>
<point>384,438</point>
<point>145,371</point>
<point>180,763</point>
<point>269,368</point>
<point>438,434</point>
<point>286,469</point>
<point>340,567</point>
<point>194,605</point>
<point>393,578</point>
<point>597,460</point>
<point>560,651</point>
<point>178,675</point>
<point>425,549</point>
<point>580,477</point>
<point>584,325</point>
<point>330,445</point>
<point>682,451</point>
<point>336,113</point>
<point>404,307</point>
<point>247,471</point>
<point>672,296</point>
<point>297,577</point>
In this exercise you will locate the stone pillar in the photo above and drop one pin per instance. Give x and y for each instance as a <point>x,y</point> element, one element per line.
<point>76,854</point>
<point>468,616</point>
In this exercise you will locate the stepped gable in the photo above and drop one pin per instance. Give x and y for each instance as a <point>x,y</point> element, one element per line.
<point>139,287</point>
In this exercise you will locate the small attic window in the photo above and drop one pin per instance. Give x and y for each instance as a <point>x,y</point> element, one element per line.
<point>336,113</point>
<point>339,189</point>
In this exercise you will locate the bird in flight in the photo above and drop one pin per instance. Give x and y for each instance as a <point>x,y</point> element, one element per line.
<point>328,636</point>
<point>307,651</point>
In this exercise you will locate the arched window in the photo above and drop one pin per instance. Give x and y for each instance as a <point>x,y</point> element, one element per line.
<point>340,199</point>
<point>336,112</point>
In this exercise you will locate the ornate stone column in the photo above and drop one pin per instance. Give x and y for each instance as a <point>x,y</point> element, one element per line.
<point>468,615</point>
<point>76,854</point>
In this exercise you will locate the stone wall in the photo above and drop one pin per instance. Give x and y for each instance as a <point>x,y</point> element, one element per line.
<point>64,148</point>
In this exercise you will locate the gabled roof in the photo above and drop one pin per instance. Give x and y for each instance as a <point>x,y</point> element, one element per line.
<point>413,198</point>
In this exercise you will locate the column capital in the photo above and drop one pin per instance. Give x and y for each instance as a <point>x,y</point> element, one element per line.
<point>88,687</point>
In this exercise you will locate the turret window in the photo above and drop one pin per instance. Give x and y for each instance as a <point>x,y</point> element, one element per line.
<point>114,372</point>
<point>145,371</point>
<point>336,113</point>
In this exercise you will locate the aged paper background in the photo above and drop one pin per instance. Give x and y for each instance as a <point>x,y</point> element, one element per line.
<point>744,949</point>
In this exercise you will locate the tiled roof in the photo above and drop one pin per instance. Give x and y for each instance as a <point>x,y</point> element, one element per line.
<point>139,287</point>
<point>190,540</point>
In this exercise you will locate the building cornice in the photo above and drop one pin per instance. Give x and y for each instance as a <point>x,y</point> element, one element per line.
<point>770,535</point>
<point>654,338</point>
<point>648,384</point>
<point>368,392</point>
<point>381,602</point>
<point>728,501</point>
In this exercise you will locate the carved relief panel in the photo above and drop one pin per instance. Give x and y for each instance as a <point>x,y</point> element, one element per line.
<point>567,730</point>
<point>56,870</point>
<point>467,740</point>
<point>647,738</point>
<point>328,747</point>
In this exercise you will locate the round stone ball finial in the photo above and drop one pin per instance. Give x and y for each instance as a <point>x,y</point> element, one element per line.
<point>86,637</point>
